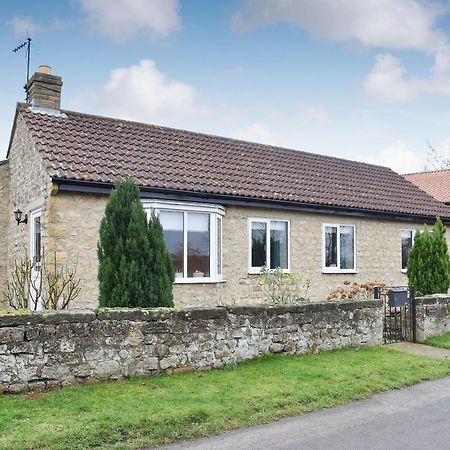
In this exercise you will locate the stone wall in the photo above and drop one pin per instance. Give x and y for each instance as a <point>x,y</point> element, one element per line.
<point>433,316</point>
<point>45,349</point>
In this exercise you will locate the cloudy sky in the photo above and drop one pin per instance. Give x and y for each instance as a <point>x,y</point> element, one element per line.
<point>366,79</point>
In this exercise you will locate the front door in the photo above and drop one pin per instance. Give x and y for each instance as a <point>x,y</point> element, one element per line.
<point>35,257</point>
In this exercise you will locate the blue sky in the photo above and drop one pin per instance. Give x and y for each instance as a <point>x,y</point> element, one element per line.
<point>366,80</point>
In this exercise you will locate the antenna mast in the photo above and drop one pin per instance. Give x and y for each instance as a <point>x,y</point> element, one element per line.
<point>27,45</point>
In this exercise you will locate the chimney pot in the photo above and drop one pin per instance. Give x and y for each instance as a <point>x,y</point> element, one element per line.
<point>45,69</point>
<point>44,89</point>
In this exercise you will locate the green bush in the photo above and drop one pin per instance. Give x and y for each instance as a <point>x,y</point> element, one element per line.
<point>428,261</point>
<point>162,272</point>
<point>135,269</point>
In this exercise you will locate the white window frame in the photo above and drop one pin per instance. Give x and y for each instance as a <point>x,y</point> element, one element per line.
<point>326,269</point>
<point>413,234</point>
<point>36,270</point>
<point>215,212</point>
<point>37,213</point>
<point>250,220</point>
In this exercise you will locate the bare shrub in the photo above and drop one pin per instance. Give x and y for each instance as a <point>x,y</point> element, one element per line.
<point>55,287</point>
<point>284,288</point>
<point>351,290</point>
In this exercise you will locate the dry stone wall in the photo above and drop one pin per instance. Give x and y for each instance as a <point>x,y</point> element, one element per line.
<point>433,316</point>
<point>44,349</point>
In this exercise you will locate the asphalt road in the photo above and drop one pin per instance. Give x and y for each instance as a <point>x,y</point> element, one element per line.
<point>413,418</point>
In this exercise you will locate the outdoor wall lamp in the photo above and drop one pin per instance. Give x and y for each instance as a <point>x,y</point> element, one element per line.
<point>18,216</point>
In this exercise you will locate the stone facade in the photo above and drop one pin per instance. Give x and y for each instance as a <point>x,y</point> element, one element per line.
<point>41,350</point>
<point>29,189</point>
<point>5,212</point>
<point>73,223</point>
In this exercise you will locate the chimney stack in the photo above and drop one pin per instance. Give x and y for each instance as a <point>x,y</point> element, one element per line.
<point>44,89</point>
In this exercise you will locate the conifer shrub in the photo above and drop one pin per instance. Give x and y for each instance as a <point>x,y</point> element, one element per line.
<point>162,271</point>
<point>135,269</point>
<point>428,261</point>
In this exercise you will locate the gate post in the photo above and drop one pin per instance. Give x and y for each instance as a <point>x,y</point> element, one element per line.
<point>412,295</point>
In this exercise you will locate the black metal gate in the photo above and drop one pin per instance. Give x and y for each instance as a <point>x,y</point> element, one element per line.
<point>399,318</point>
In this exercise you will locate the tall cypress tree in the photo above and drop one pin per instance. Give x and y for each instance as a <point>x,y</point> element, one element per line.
<point>162,270</point>
<point>428,261</point>
<point>130,260</point>
<point>441,270</point>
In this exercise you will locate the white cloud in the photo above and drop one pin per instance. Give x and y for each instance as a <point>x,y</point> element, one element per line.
<point>386,24</point>
<point>141,92</point>
<point>398,157</point>
<point>255,132</point>
<point>314,114</point>
<point>123,20</point>
<point>24,26</point>
<point>396,24</point>
<point>388,80</point>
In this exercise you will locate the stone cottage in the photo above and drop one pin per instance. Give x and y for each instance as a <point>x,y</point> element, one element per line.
<point>228,207</point>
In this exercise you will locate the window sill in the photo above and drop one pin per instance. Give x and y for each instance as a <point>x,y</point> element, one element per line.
<point>350,271</point>
<point>198,281</point>
<point>404,271</point>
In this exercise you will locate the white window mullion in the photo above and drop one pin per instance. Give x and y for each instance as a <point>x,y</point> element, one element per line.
<point>289,246</point>
<point>338,247</point>
<point>212,246</point>
<point>185,245</point>
<point>220,261</point>
<point>268,262</point>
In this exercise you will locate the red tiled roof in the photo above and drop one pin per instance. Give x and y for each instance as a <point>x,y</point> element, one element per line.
<point>436,183</point>
<point>84,147</point>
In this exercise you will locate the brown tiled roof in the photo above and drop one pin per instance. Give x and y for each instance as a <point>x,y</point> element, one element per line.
<point>436,183</point>
<point>90,148</point>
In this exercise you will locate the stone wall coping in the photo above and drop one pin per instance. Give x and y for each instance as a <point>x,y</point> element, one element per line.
<point>161,314</point>
<point>433,299</point>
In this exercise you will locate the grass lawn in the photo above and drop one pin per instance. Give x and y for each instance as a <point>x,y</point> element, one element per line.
<point>440,341</point>
<point>152,410</point>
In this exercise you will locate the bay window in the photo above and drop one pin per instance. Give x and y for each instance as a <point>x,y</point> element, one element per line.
<point>338,248</point>
<point>269,244</point>
<point>193,237</point>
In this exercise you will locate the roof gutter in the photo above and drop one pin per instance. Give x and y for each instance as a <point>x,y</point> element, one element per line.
<point>100,188</point>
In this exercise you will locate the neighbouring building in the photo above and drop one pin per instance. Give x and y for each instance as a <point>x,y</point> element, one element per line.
<point>228,207</point>
<point>436,183</point>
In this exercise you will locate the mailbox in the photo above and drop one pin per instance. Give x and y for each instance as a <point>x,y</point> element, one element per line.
<point>398,297</point>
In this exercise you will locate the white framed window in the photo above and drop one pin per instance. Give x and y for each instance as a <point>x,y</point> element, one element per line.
<point>407,238</point>
<point>268,244</point>
<point>338,248</point>
<point>193,237</point>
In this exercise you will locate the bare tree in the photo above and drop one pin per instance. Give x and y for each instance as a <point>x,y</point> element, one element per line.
<point>437,160</point>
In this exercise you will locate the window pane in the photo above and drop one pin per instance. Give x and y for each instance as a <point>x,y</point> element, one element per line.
<point>330,247</point>
<point>407,242</point>
<point>172,223</point>
<point>198,245</point>
<point>259,237</point>
<point>347,253</point>
<point>219,246</point>
<point>278,245</point>
<point>37,240</point>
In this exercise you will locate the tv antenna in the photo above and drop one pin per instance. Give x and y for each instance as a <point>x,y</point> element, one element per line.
<point>27,46</point>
